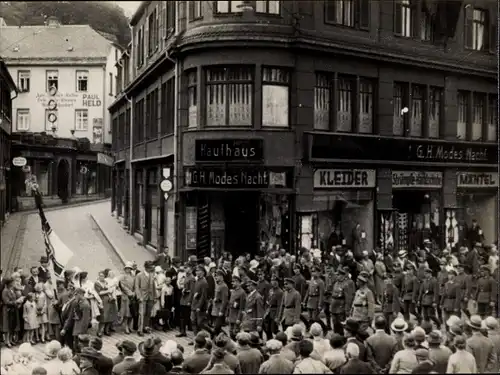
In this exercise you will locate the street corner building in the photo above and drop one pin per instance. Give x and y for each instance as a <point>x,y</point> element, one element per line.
<point>60,121</point>
<point>306,124</point>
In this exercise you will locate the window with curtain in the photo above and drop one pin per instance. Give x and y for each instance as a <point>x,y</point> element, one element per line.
<point>476,28</point>
<point>229,96</point>
<point>365,106</point>
<point>322,91</point>
<point>417,102</point>
<point>492,118</point>
<point>435,101</point>
<point>425,26</point>
<point>195,10</point>
<point>398,105</point>
<point>462,106</point>
<point>350,13</point>
<point>403,22</point>
<point>192,99</point>
<point>275,97</point>
<point>344,104</point>
<point>477,117</point>
<point>267,6</point>
<point>228,6</point>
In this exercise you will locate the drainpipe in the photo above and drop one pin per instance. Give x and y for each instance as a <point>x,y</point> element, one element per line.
<point>176,138</point>
<point>131,135</point>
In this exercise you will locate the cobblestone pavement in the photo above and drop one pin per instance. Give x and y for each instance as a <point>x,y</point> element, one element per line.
<point>8,235</point>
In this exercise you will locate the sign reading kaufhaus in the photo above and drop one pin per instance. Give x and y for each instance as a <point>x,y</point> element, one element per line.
<point>374,148</point>
<point>235,178</point>
<point>228,150</point>
<point>414,179</point>
<point>477,179</point>
<point>344,178</point>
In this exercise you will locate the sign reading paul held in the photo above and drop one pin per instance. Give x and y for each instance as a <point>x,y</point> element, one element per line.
<point>344,178</point>
<point>416,179</point>
<point>474,180</point>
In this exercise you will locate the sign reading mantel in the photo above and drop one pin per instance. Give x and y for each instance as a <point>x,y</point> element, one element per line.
<point>477,179</point>
<point>344,178</point>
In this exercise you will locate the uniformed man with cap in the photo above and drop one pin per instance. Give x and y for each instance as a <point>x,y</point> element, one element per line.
<point>450,298</point>
<point>469,302</point>
<point>236,306</point>
<point>428,297</point>
<point>254,310</point>
<point>289,313</point>
<point>273,303</point>
<point>330,278</point>
<point>200,301</point>
<point>461,280</point>
<point>186,286</point>
<point>220,302</point>
<point>391,305</point>
<point>363,305</point>
<point>315,295</point>
<point>343,291</point>
<point>410,291</point>
<point>486,293</point>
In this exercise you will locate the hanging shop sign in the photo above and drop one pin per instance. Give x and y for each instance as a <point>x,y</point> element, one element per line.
<point>416,179</point>
<point>105,159</point>
<point>375,148</point>
<point>227,150</point>
<point>235,178</point>
<point>477,179</point>
<point>19,161</point>
<point>344,178</point>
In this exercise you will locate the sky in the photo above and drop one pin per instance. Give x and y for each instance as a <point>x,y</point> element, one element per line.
<point>129,7</point>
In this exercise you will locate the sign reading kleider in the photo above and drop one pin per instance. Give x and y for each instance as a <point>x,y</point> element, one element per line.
<point>344,178</point>
<point>416,179</point>
<point>476,180</point>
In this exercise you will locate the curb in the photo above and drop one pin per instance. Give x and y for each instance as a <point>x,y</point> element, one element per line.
<point>62,207</point>
<point>109,240</point>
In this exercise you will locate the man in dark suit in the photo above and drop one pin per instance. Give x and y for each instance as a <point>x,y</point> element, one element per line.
<point>43,270</point>
<point>145,292</point>
<point>354,365</point>
<point>33,280</point>
<point>77,318</point>
<point>199,302</point>
<point>380,347</point>
<point>172,272</point>
<point>103,364</point>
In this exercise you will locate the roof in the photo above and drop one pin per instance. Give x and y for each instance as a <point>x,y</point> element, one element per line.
<point>39,42</point>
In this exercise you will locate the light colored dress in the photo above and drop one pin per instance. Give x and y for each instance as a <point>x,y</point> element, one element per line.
<point>30,317</point>
<point>92,296</point>
<point>41,306</point>
<point>52,314</point>
<point>127,287</point>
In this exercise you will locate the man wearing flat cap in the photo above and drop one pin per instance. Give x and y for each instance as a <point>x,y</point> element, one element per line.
<point>199,304</point>
<point>254,311</point>
<point>236,307</point>
<point>342,296</point>
<point>363,306</point>
<point>220,302</point>
<point>315,296</point>
<point>487,295</point>
<point>289,313</point>
<point>273,303</point>
<point>428,297</point>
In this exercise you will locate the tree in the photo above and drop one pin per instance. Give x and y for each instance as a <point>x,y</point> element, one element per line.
<point>100,15</point>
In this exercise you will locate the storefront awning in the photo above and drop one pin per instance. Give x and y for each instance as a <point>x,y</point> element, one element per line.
<point>326,201</point>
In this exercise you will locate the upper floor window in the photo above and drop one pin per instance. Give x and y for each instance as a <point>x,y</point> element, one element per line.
<point>425,26</point>
<point>478,110</point>
<point>476,28</point>
<point>267,6</point>
<point>229,6</point>
<point>492,118</point>
<point>322,102</point>
<point>171,14</point>
<point>152,32</point>
<point>350,13</point>
<point>399,109</point>
<point>82,80</point>
<point>344,104</point>
<point>417,103</point>
<point>140,47</point>
<point>229,96</point>
<point>435,102</point>
<point>462,109</point>
<point>23,80</point>
<point>23,119</point>
<point>365,106</point>
<point>192,99</point>
<point>195,10</point>
<point>81,119</point>
<point>52,79</point>
<point>403,14</point>
<point>275,97</point>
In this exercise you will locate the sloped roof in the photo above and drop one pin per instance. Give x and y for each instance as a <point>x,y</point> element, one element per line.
<point>48,42</point>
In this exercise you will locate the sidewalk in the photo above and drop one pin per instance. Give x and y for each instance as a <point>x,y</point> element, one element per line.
<point>8,235</point>
<point>124,245</point>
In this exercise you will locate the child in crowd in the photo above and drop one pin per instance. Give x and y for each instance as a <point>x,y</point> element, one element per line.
<point>68,366</point>
<point>31,324</point>
<point>41,307</point>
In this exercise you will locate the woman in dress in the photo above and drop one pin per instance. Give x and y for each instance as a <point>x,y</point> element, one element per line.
<point>108,314</point>
<point>127,288</point>
<point>159,283</point>
<point>21,289</point>
<point>53,319</point>
<point>81,281</point>
<point>115,293</point>
<point>9,311</point>
<point>41,307</point>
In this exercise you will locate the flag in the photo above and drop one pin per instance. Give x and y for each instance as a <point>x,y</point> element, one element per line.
<point>57,252</point>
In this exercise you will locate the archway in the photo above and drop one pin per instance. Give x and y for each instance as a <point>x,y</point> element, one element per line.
<point>63,180</point>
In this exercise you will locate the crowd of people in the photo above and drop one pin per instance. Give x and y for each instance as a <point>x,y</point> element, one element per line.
<point>423,311</point>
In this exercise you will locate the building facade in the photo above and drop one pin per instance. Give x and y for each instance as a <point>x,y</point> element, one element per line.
<point>8,92</point>
<point>61,124</point>
<point>305,124</point>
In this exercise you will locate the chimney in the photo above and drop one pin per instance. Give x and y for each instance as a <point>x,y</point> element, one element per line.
<point>52,21</point>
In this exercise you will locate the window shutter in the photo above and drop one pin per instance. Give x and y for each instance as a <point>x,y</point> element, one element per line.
<point>468,15</point>
<point>493,37</point>
<point>363,11</point>
<point>397,17</point>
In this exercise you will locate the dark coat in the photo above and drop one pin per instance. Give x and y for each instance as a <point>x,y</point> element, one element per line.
<point>90,371</point>
<point>196,362</point>
<point>148,367</point>
<point>43,275</point>
<point>356,366</point>
<point>103,365</point>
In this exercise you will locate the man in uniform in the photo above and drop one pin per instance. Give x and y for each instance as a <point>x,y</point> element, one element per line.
<point>428,297</point>
<point>289,313</point>
<point>442,277</point>
<point>254,309</point>
<point>486,297</point>
<point>363,306</point>
<point>450,298</point>
<point>186,291</point>
<point>460,279</point>
<point>469,297</point>
<point>199,303</point>
<point>273,303</point>
<point>220,303</point>
<point>263,286</point>
<point>329,282</point>
<point>409,291</point>
<point>315,296</point>
<point>236,307</point>
<point>390,301</point>
<point>341,301</point>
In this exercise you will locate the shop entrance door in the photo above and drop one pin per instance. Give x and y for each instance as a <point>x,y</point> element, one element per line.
<point>241,222</point>
<point>411,206</point>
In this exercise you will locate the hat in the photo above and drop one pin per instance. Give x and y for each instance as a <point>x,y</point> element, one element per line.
<point>220,272</point>
<point>387,275</point>
<point>148,347</point>
<point>410,264</point>
<point>363,276</point>
<point>176,260</point>
<point>85,339</point>
<point>212,265</point>
<point>456,330</point>
<point>475,322</point>
<point>202,269</point>
<point>236,277</point>
<point>315,329</point>
<point>343,271</point>
<point>484,267</point>
<point>290,281</point>
<point>427,240</point>
<point>274,345</point>
<point>255,339</point>
<point>89,353</point>
<point>422,353</point>
<point>254,264</point>
<point>158,269</point>
<point>52,348</point>
<point>402,253</point>
<point>491,323</point>
<point>419,334</point>
<point>351,325</point>
<point>459,341</point>
<point>297,333</point>
<point>452,271</point>
<point>148,264</point>
<point>129,265</point>
<point>252,282</point>
<point>44,259</point>
<point>399,325</point>
<point>435,337</point>
<point>243,336</point>
<point>128,346</point>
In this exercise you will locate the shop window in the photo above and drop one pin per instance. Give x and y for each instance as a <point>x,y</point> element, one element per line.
<point>308,233</point>
<point>492,118</point>
<point>478,107</point>
<point>365,106</point>
<point>275,97</point>
<point>322,100</point>
<point>417,101</point>
<point>435,101</point>
<point>229,96</point>
<point>195,10</point>
<point>398,107</point>
<point>192,99</point>
<point>403,22</point>
<point>344,104</point>
<point>191,227</point>
<point>476,28</point>
<point>462,107</point>
<point>274,217</point>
